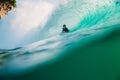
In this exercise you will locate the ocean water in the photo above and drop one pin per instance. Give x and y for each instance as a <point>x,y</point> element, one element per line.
<point>33,47</point>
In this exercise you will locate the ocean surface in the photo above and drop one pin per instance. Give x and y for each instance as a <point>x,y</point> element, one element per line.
<point>32,46</point>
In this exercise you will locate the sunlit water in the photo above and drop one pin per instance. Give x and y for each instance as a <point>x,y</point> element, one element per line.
<point>32,39</point>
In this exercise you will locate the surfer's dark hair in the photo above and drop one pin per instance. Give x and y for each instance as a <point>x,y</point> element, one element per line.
<point>64,25</point>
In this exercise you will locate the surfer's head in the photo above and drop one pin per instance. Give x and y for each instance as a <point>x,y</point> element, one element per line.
<point>64,25</point>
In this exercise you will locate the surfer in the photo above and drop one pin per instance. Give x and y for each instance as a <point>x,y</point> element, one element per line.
<point>65,29</point>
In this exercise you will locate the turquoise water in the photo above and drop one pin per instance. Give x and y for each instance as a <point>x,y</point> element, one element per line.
<point>35,48</point>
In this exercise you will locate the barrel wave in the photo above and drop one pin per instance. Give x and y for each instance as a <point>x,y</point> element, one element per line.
<point>33,47</point>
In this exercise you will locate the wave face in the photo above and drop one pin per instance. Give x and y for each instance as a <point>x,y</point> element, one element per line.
<point>40,51</point>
